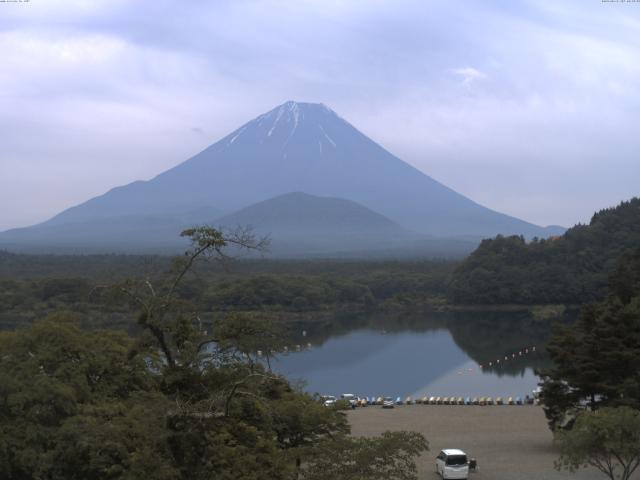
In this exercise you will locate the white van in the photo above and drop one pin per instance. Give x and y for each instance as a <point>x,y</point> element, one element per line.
<point>452,463</point>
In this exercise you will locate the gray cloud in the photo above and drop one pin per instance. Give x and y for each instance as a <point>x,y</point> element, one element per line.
<point>530,109</point>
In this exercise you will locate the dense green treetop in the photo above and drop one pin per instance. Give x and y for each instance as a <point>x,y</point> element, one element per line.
<point>597,359</point>
<point>570,269</point>
<point>176,401</point>
<point>607,439</point>
<point>293,288</point>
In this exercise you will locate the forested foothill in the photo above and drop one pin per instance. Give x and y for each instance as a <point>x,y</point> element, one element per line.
<point>571,269</point>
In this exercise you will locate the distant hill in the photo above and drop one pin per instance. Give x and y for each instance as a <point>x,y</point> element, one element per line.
<point>297,213</point>
<point>299,224</point>
<point>571,269</point>
<point>296,147</point>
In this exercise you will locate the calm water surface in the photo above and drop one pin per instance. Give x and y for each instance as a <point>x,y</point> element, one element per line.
<point>425,357</point>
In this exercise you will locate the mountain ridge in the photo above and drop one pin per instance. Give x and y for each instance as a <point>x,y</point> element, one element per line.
<point>300,147</point>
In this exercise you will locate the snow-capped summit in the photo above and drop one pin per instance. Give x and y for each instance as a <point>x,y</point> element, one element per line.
<point>280,125</point>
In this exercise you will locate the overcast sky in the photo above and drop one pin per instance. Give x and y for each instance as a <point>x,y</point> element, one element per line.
<point>532,110</point>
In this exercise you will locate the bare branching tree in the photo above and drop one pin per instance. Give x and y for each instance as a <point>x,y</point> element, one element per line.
<point>172,322</point>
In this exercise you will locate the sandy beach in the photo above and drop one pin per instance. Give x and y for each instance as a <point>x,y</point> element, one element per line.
<point>509,442</point>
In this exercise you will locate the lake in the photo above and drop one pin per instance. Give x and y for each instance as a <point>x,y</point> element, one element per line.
<point>433,354</point>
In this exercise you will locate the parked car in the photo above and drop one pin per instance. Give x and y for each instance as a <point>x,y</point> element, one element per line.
<point>387,402</point>
<point>328,400</point>
<point>452,463</point>
<point>351,398</point>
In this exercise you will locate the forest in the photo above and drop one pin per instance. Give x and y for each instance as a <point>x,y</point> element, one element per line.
<point>571,269</point>
<point>33,286</point>
<point>175,400</point>
<point>597,358</point>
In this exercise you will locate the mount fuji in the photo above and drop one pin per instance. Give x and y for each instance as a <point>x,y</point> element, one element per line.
<point>296,147</point>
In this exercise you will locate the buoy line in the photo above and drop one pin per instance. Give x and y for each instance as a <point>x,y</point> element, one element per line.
<point>521,353</point>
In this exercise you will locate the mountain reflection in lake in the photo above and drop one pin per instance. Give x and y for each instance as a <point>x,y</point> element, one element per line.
<point>438,355</point>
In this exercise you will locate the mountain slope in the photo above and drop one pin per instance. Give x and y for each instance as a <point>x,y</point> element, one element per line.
<point>123,234</point>
<point>308,148</point>
<point>298,147</point>
<point>133,233</point>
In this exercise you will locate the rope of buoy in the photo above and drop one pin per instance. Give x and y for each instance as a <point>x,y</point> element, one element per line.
<point>507,358</point>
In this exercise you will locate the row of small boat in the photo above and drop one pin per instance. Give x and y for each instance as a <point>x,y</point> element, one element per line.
<point>527,400</point>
